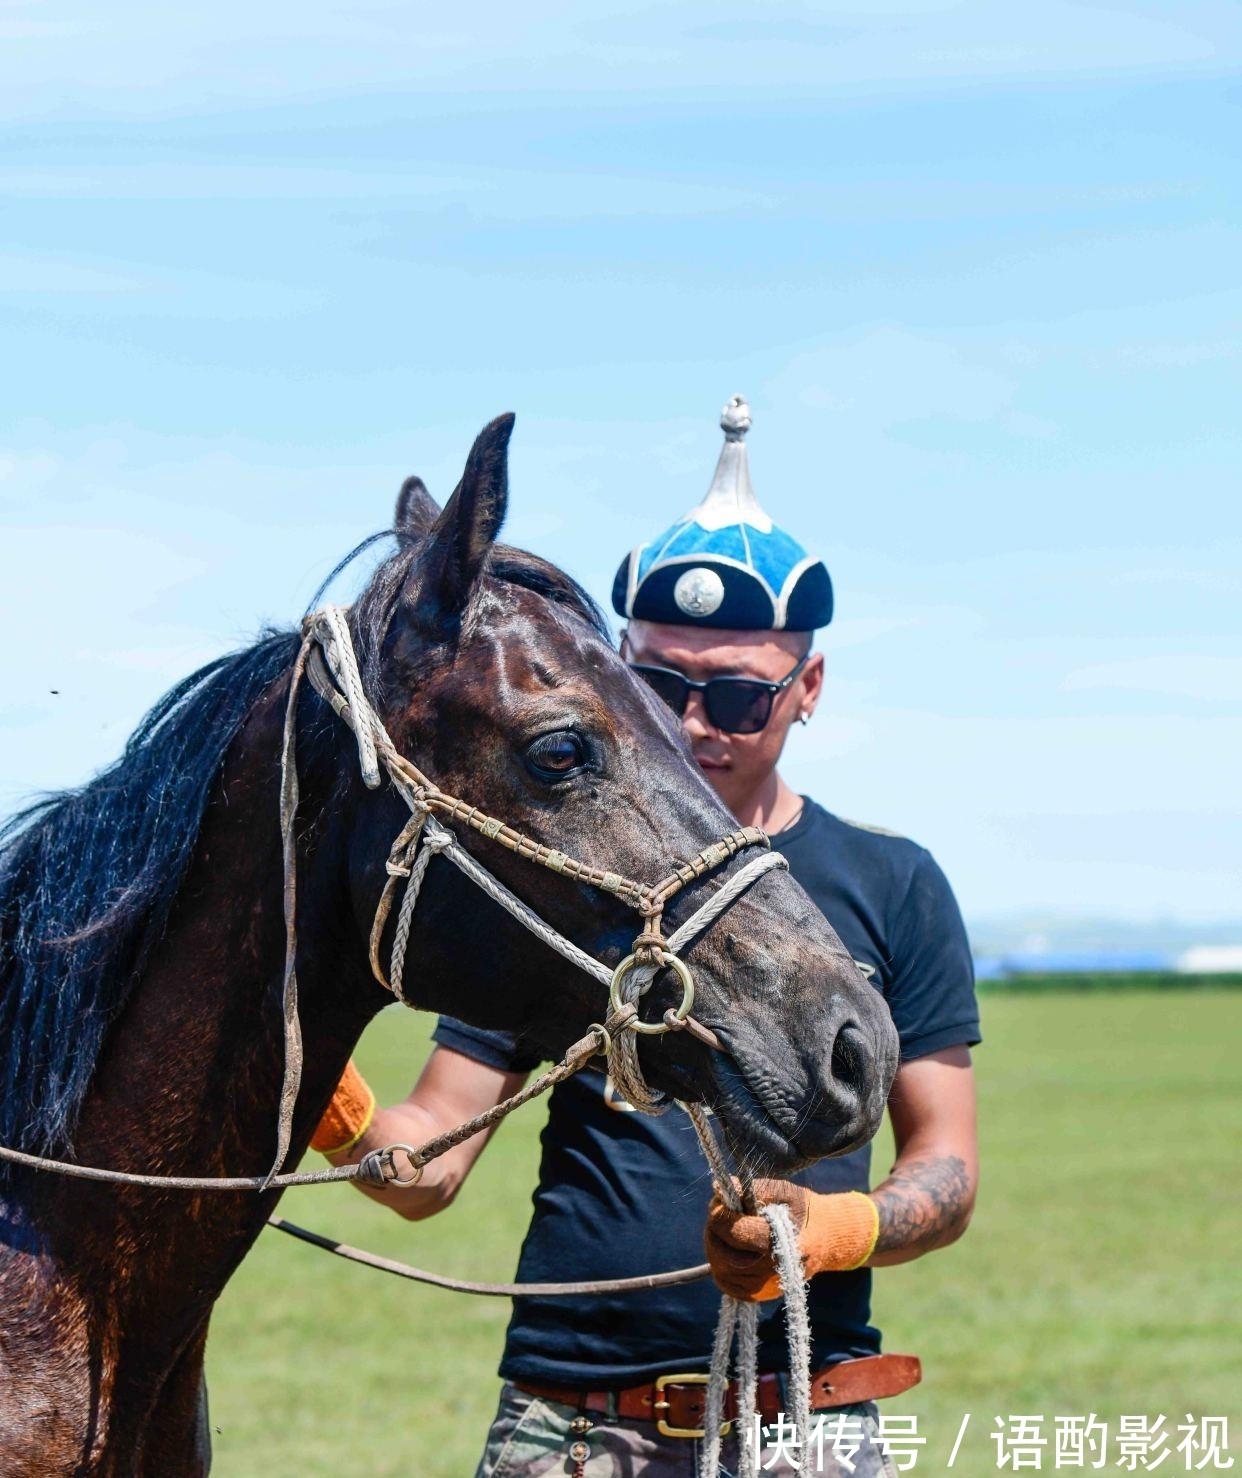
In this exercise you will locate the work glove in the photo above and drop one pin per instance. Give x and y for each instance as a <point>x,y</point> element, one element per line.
<point>836,1233</point>
<point>348,1117</point>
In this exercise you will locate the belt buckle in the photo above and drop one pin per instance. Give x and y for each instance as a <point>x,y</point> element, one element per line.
<point>693,1378</point>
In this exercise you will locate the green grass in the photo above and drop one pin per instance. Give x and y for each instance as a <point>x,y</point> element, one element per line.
<point>1110,981</point>
<point>1100,1274</point>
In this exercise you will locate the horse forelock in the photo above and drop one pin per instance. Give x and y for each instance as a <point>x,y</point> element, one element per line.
<point>379,605</point>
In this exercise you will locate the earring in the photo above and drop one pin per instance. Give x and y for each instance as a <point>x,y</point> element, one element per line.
<point>804,718</point>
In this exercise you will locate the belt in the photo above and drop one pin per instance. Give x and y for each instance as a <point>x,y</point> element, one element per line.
<point>677,1402</point>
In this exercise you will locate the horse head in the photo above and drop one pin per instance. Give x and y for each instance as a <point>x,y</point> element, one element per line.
<point>494,674</point>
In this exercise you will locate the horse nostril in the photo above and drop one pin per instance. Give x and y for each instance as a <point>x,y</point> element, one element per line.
<point>849,1061</point>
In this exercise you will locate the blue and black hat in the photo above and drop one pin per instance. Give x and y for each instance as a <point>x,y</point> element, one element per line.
<point>726,563</point>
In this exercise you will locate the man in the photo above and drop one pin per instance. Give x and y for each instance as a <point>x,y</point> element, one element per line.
<point>721,612</point>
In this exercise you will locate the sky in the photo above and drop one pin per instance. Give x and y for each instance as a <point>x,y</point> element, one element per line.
<point>975,266</point>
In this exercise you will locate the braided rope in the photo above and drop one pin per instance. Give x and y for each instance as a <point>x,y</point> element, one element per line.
<point>627,1073</point>
<point>748,1387</point>
<point>291,1078</point>
<point>733,1313</point>
<point>723,899</point>
<point>331,629</point>
<point>739,1319</point>
<point>730,1308</point>
<point>717,1384</point>
<point>432,843</point>
<point>524,914</point>
<point>797,1318</point>
<point>397,867</point>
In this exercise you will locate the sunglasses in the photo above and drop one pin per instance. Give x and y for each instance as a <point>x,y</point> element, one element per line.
<point>735,705</point>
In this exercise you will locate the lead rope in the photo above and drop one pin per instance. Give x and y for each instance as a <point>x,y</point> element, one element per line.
<point>292,1026</point>
<point>740,1318</point>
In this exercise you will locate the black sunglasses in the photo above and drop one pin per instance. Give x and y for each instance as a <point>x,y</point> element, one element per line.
<point>735,705</point>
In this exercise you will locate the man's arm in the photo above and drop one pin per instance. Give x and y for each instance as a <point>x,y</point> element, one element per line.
<point>451,1089</point>
<point>927,1200</point>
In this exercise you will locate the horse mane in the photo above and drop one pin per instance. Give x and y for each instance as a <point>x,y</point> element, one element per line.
<point>88,877</point>
<point>87,881</point>
<point>520,567</point>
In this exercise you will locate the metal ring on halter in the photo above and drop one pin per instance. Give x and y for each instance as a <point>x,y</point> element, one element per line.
<point>682,1010</point>
<point>603,1036</point>
<point>379,1168</point>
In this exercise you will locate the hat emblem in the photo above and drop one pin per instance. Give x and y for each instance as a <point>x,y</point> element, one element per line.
<point>699,592</point>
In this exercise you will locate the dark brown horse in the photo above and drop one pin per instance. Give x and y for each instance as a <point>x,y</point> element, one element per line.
<point>141,951</point>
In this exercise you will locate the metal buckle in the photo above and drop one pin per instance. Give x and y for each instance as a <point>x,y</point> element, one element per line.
<point>662,1382</point>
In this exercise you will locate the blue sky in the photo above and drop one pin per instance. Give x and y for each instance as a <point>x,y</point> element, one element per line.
<point>975,266</point>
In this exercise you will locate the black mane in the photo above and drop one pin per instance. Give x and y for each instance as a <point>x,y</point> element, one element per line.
<point>87,880</point>
<point>519,567</point>
<point>88,877</point>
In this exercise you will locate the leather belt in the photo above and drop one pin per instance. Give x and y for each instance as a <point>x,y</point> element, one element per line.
<point>677,1402</point>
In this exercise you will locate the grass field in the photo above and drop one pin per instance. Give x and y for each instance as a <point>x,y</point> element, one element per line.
<point>1101,1273</point>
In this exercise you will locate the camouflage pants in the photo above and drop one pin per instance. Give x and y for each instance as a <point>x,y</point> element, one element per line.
<point>531,1438</point>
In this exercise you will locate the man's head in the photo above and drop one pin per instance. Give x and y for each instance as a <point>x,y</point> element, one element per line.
<point>725,597</point>
<point>736,763</point>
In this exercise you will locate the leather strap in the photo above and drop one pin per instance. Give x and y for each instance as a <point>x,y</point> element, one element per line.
<point>678,1402</point>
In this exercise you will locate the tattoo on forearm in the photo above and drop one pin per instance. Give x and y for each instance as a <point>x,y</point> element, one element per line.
<point>923,1204</point>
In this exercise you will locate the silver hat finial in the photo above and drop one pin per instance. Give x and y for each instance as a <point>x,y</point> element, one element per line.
<point>735,418</point>
<point>731,499</point>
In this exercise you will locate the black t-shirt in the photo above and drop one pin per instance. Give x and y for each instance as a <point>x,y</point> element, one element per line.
<point>622,1193</point>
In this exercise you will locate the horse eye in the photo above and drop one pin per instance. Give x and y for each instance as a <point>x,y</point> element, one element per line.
<point>554,756</point>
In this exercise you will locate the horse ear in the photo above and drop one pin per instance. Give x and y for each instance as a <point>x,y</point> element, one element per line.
<point>456,548</point>
<point>416,511</point>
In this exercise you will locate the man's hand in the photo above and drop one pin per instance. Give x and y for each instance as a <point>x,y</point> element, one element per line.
<point>835,1233</point>
<point>452,1089</point>
<point>924,1203</point>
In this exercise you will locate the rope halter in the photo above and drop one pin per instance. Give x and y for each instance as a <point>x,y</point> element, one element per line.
<point>328,660</point>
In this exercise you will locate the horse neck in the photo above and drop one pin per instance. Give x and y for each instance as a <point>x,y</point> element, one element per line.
<point>189,1081</point>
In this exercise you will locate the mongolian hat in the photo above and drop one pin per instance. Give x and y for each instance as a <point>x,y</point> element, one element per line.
<point>725,563</point>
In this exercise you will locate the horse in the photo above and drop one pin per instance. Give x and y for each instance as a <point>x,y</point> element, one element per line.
<point>142,953</point>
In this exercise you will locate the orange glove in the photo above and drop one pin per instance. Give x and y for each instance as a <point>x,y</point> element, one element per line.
<point>348,1117</point>
<point>836,1233</point>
